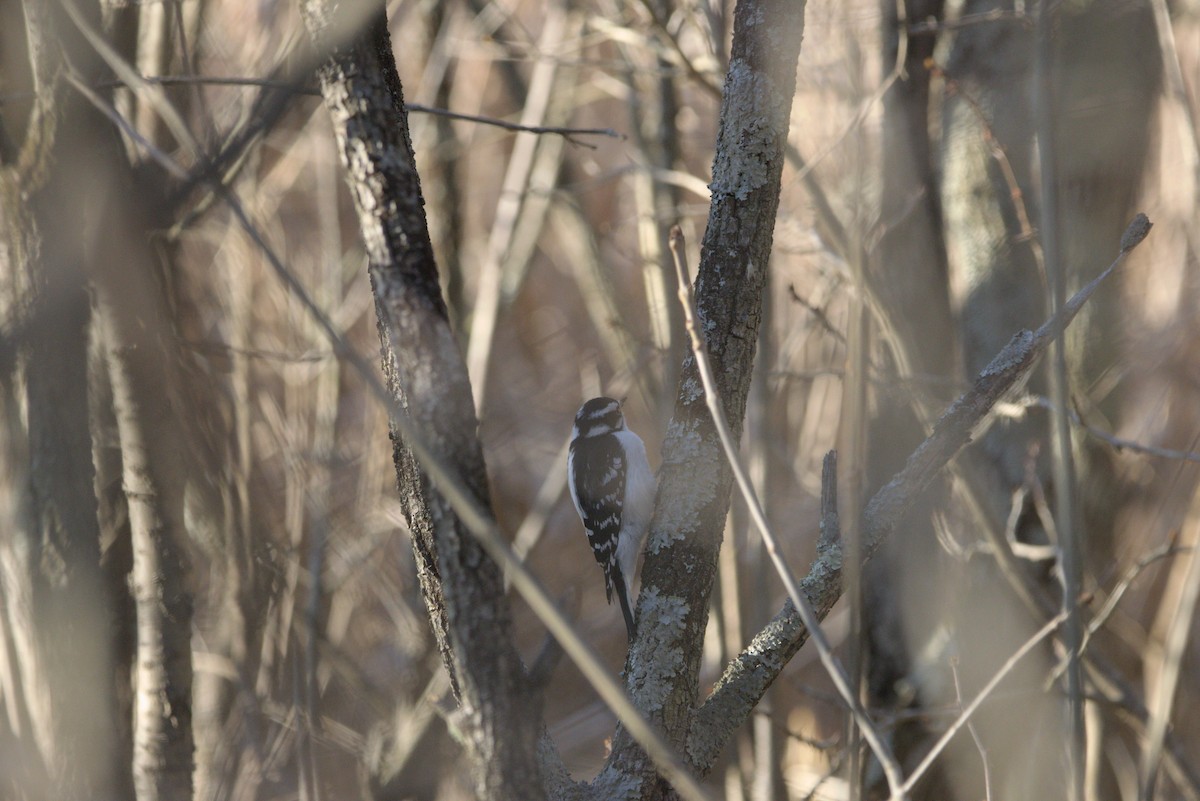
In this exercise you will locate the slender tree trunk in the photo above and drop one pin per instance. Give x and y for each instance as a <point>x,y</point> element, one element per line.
<point>139,347</point>
<point>463,588</point>
<point>162,752</point>
<point>694,481</point>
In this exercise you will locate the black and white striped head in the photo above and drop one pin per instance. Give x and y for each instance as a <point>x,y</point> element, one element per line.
<point>597,417</point>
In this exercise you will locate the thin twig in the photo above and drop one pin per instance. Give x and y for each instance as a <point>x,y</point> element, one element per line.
<point>1110,606</point>
<point>887,762</point>
<point>817,312</point>
<point>860,117</point>
<point>1026,232</point>
<point>1121,444</point>
<point>965,716</point>
<point>129,76</point>
<point>1118,443</point>
<point>1105,612</point>
<point>835,767</point>
<point>705,81</point>
<point>566,132</point>
<point>165,161</point>
<point>983,757</point>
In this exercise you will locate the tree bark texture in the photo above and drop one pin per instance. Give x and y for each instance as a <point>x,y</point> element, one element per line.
<point>425,373</point>
<point>163,742</point>
<point>139,348</point>
<point>695,479</point>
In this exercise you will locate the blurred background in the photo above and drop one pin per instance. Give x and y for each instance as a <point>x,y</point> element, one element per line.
<point>555,270</point>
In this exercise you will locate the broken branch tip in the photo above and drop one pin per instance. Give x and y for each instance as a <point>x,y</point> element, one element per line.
<point>1136,232</point>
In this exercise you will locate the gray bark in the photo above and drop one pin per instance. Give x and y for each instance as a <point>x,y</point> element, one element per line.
<point>163,746</point>
<point>463,588</point>
<point>695,479</point>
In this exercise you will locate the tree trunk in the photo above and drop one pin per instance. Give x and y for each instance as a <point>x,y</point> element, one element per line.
<point>695,479</point>
<point>462,587</point>
<point>162,748</point>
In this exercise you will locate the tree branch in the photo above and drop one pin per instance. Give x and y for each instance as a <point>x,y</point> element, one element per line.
<point>836,672</point>
<point>748,676</point>
<point>965,715</point>
<point>695,479</point>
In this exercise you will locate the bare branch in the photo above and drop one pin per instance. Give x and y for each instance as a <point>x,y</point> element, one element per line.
<point>965,716</point>
<point>567,132</point>
<point>970,415</point>
<point>840,681</point>
<point>564,131</point>
<point>748,676</point>
<point>1118,443</point>
<point>1118,592</point>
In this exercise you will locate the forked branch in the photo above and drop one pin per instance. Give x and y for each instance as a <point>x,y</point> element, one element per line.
<point>749,675</point>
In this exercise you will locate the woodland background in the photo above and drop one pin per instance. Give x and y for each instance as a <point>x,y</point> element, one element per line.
<point>316,674</point>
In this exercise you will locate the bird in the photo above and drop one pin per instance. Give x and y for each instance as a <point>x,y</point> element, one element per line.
<point>613,490</point>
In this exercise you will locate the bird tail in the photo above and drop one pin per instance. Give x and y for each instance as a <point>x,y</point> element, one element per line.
<point>618,582</point>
